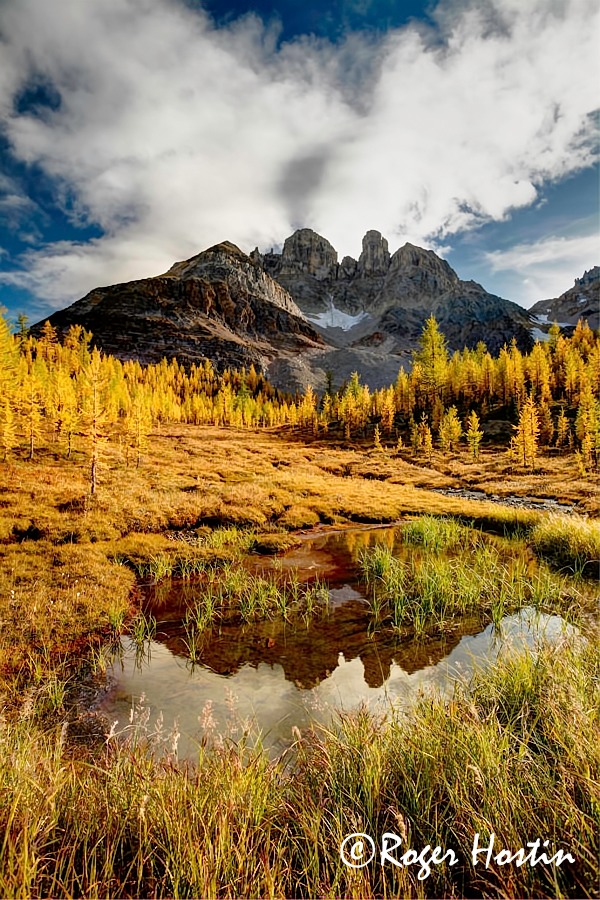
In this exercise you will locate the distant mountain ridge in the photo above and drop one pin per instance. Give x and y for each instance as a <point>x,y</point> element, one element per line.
<point>582,301</point>
<point>301,313</point>
<point>412,279</point>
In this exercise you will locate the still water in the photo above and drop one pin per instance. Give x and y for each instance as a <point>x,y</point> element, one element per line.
<point>271,677</point>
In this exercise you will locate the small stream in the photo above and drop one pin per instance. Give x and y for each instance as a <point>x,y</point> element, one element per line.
<point>539,503</point>
<point>272,677</point>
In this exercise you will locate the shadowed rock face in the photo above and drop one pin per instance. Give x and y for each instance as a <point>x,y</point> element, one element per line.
<point>582,301</point>
<point>299,313</point>
<point>217,304</point>
<point>308,253</point>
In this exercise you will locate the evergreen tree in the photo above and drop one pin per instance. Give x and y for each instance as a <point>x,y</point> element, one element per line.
<point>450,430</point>
<point>427,441</point>
<point>8,432</point>
<point>424,437</point>
<point>308,410</point>
<point>524,444</point>
<point>474,434</point>
<point>433,360</point>
<point>329,383</point>
<point>95,416</point>
<point>587,425</point>
<point>139,424</point>
<point>388,411</point>
<point>553,336</point>
<point>562,429</point>
<point>516,374</point>
<point>415,436</point>
<point>546,424</point>
<point>47,346</point>
<point>29,405</point>
<point>9,358</point>
<point>377,445</point>
<point>23,332</point>
<point>437,414</point>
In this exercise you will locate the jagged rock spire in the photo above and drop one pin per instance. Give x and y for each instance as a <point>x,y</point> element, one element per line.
<point>375,256</point>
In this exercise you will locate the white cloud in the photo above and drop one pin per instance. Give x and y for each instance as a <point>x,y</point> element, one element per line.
<point>540,266</point>
<point>173,134</point>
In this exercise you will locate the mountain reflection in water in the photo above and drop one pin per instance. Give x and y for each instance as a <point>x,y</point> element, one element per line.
<point>273,702</point>
<point>309,653</point>
<point>279,675</point>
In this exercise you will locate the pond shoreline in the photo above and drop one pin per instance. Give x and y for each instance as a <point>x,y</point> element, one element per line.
<point>371,639</point>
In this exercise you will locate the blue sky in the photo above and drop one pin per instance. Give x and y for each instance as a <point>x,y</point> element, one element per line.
<point>331,20</point>
<point>137,132</point>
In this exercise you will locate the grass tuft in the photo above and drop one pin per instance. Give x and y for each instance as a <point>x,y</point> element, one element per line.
<point>436,534</point>
<point>569,542</point>
<point>427,591</point>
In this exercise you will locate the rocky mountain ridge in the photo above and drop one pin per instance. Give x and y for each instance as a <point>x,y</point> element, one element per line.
<point>217,304</point>
<point>372,310</point>
<point>582,301</point>
<point>300,313</point>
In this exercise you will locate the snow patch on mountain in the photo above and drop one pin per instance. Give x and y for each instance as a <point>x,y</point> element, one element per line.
<point>337,318</point>
<point>538,335</point>
<point>542,319</point>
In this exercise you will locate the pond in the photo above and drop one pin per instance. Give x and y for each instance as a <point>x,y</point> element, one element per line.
<point>272,676</point>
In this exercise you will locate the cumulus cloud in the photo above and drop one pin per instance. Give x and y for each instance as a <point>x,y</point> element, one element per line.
<point>172,134</point>
<point>544,264</point>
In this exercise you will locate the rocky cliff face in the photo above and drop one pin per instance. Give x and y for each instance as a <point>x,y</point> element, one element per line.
<point>375,256</point>
<point>218,304</point>
<point>383,301</point>
<point>582,301</point>
<point>309,254</point>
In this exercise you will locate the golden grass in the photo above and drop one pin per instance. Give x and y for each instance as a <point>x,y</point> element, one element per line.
<point>569,543</point>
<point>54,599</point>
<point>59,583</point>
<point>516,755</point>
<point>554,477</point>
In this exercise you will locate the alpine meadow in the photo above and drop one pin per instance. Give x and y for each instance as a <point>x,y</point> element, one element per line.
<point>121,478</point>
<point>299,449</point>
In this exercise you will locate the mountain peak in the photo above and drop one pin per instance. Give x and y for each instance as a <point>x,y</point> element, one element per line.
<point>194,266</point>
<point>375,256</point>
<point>577,302</point>
<point>588,277</point>
<point>414,261</point>
<point>299,312</point>
<point>227,247</point>
<point>308,252</point>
